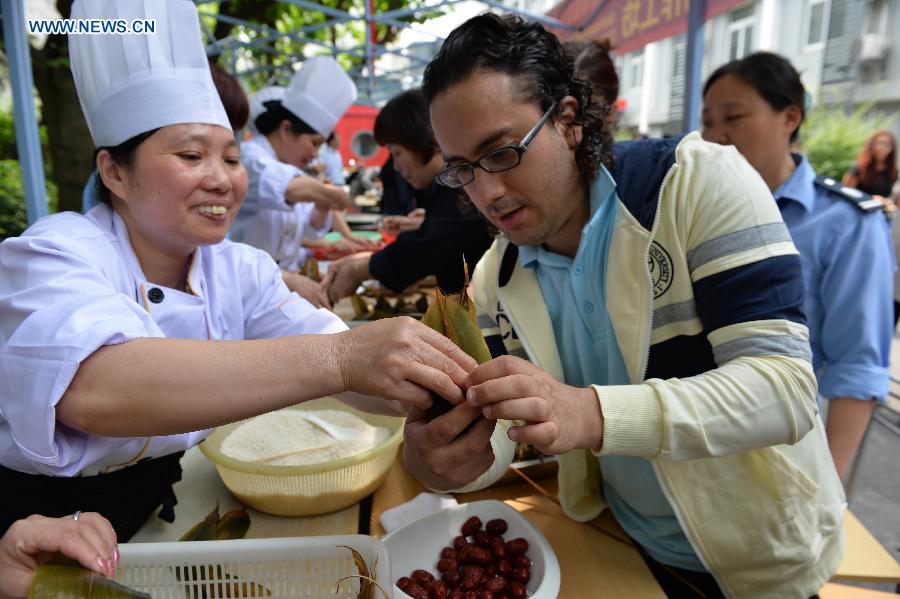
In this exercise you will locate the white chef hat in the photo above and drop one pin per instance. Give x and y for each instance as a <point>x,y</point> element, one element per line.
<point>131,84</point>
<point>258,101</point>
<point>320,93</point>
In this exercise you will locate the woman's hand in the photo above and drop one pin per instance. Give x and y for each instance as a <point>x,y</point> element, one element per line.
<point>90,540</point>
<point>401,359</point>
<point>394,225</point>
<point>345,275</point>
<point>306,288</point>
<point>558,417</point>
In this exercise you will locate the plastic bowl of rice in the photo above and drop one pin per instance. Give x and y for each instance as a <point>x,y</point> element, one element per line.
<point>279,464</point>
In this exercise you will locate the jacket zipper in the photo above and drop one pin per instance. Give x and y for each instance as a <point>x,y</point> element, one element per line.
<point>646,361</point>
<point>663,483</point>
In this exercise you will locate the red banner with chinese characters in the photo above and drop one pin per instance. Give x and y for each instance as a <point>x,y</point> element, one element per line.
<point>630,24</point>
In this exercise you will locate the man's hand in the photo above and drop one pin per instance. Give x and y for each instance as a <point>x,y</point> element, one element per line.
<point>439,456</point>
<point>306,288</point>
<point>90,540</point>
<point>558,417</point>
<point>402,359</point>
<point>345,275</point>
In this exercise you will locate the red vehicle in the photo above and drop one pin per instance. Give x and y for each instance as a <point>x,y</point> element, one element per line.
<point>358,146</point>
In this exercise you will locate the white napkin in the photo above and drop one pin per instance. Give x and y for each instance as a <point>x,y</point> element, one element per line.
<point>423,505</point>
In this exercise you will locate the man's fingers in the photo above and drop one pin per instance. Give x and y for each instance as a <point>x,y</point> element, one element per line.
<point>530,409</point>
<point>497,368</point>
<point>542,435</point>
<point>447,427</point>
<point>512,386</point>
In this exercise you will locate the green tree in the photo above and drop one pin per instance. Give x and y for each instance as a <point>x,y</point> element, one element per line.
<point>69,150</point>
<point>831,139</point>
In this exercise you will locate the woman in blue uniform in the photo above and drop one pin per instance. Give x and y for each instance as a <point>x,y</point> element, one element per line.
<point>757,105</point>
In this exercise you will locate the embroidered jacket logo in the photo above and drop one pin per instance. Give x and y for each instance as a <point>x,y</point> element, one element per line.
<point>660,264</point>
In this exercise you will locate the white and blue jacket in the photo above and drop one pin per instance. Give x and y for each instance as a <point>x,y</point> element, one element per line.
<point>705,295</point>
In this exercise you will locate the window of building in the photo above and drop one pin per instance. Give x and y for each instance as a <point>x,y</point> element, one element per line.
<point>815,33</point>
<point>636,71</point>
<point>740,32</point>
<point>877,17</point>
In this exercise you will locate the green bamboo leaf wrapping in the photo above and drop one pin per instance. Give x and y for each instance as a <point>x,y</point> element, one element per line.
<point>64,581</point>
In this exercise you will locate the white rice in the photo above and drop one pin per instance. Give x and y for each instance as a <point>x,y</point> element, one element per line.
<point>286,431</point>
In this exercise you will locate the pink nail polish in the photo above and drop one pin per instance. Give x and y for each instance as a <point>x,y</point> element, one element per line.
<point>103,565</point>
<point>116,555</point>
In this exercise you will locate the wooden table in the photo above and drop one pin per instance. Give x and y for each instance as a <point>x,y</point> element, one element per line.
<point>865,560</point>
<point>590,557</point>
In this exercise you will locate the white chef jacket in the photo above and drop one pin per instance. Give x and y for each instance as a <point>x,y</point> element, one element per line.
<point>266,220</point>
<point>71,284</point>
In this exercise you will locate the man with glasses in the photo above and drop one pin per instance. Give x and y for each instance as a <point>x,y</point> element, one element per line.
<point>645,300</point>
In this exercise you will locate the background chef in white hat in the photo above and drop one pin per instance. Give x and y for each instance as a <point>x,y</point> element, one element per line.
<point>284,205</point>
<point>112,360</point>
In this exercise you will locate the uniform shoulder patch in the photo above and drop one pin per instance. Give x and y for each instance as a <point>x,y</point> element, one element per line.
<point>858,198</point>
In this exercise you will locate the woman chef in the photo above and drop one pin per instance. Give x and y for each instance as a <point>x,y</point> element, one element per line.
<point>127,333</point>
<point>284,205</point>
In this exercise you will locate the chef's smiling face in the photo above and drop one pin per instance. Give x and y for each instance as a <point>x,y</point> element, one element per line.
<point>182,190</point>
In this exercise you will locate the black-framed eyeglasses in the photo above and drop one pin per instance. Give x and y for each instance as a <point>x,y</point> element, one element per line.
<point>495,161</point>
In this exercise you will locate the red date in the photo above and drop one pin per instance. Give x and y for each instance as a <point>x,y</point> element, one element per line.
<point>504,567</point>
<point>495,584</point>
<point>482,539</point>
<point>471,526</point>
<point>486,595</point>
<point>472,578</point>
<point>447,565</point>
<point>521,561</point>
<point>470,595</point>
<point>496,526</point>
<point>439,591</point>
<point>452,579</point>
<point>422,576</point>
<point>415,591</point>
<point>498,548</point>
<point>459,541</point>
<point>480,556</point>
<point>516,590</point>
<point>523,575</point>
<point>517,546</point>
<point>448,553</point>
<point>456,594</point>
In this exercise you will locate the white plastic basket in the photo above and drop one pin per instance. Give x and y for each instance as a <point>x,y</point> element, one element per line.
<point>288,567</point>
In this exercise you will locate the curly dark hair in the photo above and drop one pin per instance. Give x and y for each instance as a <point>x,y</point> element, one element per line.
<point>536,60</point>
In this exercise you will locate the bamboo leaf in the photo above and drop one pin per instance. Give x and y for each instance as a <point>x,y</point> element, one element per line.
<point>71,581</point>
<point>233,525</point>
<point>204,530</point>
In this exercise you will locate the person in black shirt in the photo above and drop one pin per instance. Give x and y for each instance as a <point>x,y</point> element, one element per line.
<point>450,231</point>
<point>875,170</point>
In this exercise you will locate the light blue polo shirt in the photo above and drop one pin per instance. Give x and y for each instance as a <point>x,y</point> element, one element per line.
<point>575,294</point>
<point>848,269</point>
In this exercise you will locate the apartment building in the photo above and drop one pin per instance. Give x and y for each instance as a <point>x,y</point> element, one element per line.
<point>847,51</point>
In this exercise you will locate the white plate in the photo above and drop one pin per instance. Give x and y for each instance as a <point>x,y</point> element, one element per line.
<point>418,544</point>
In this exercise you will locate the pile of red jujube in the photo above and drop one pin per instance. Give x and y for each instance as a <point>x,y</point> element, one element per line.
<point>485,567</point>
